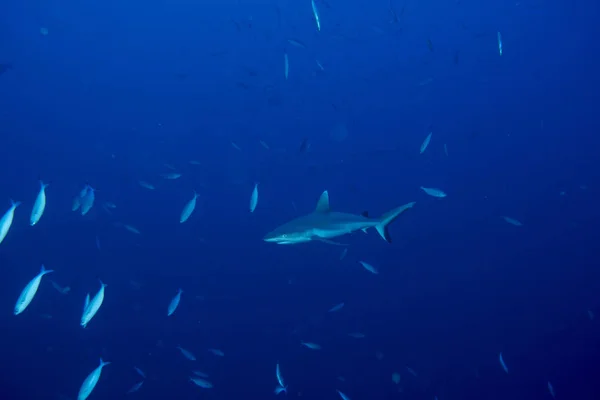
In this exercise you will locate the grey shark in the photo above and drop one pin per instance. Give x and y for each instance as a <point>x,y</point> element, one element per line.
<point>324,224</point>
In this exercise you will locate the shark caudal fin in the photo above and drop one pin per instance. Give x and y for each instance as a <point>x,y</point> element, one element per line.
<point>388,218</point>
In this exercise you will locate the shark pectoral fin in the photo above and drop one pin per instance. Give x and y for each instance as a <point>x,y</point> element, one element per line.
<point>330,242</point>
<point>364,230</point>
<point>323,203</point>
<point>388,218</point>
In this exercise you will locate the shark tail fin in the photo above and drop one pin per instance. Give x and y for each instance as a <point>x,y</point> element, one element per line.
<point>388,218</point>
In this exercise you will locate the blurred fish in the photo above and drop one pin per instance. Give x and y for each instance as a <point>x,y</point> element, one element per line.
<point>499,43</point>
<point>310,345</point>
<point>296,43</point>
<point>343,254</point>
<point>140,372</point>
<point>59,289</point>
<point>316,14</point>
<point>187,354</point>
<point>135,387</point>
<point>171,175</point>
<point>217,352</point>
<point>502,363</point>
<point>512,221</point>
<point>343,396</point>
<point>357,335</point>
<point>369,267</point>
<point>203,383</point>
<point>304,146</point>
<point>5,67</point>
<point>146,185</point>
<point>282,386</point>
<point>429,44</point>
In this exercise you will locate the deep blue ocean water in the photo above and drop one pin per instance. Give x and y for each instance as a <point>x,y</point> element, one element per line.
<point>106,93</point>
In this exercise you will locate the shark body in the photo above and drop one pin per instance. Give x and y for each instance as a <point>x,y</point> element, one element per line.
<point>324,224</point>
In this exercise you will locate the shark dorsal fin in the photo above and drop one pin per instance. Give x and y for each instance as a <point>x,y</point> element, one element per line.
<point>323,203</point>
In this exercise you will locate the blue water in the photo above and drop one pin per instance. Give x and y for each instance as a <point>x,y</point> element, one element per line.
<point>117,89</point>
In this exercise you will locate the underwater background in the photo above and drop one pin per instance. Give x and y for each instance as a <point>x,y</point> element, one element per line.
<point>491,292</point>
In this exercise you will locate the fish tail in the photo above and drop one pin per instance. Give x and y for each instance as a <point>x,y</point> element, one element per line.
<point>388,218</point>
<point>15,203</point>
<point>104,363</point>
<point>45,271</point>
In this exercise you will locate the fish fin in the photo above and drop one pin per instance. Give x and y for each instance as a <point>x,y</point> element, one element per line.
<point>103,363</point>
<point>388,218</point>
<point>102,283</point>
<point>15,204</point>
<point>323,203</point>
<point>280,389</point>
<point>44,271</point>
<point>44,185</point>
<point>330,242</point>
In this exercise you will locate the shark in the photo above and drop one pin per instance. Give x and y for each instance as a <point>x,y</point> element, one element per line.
<point>324,224</point>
